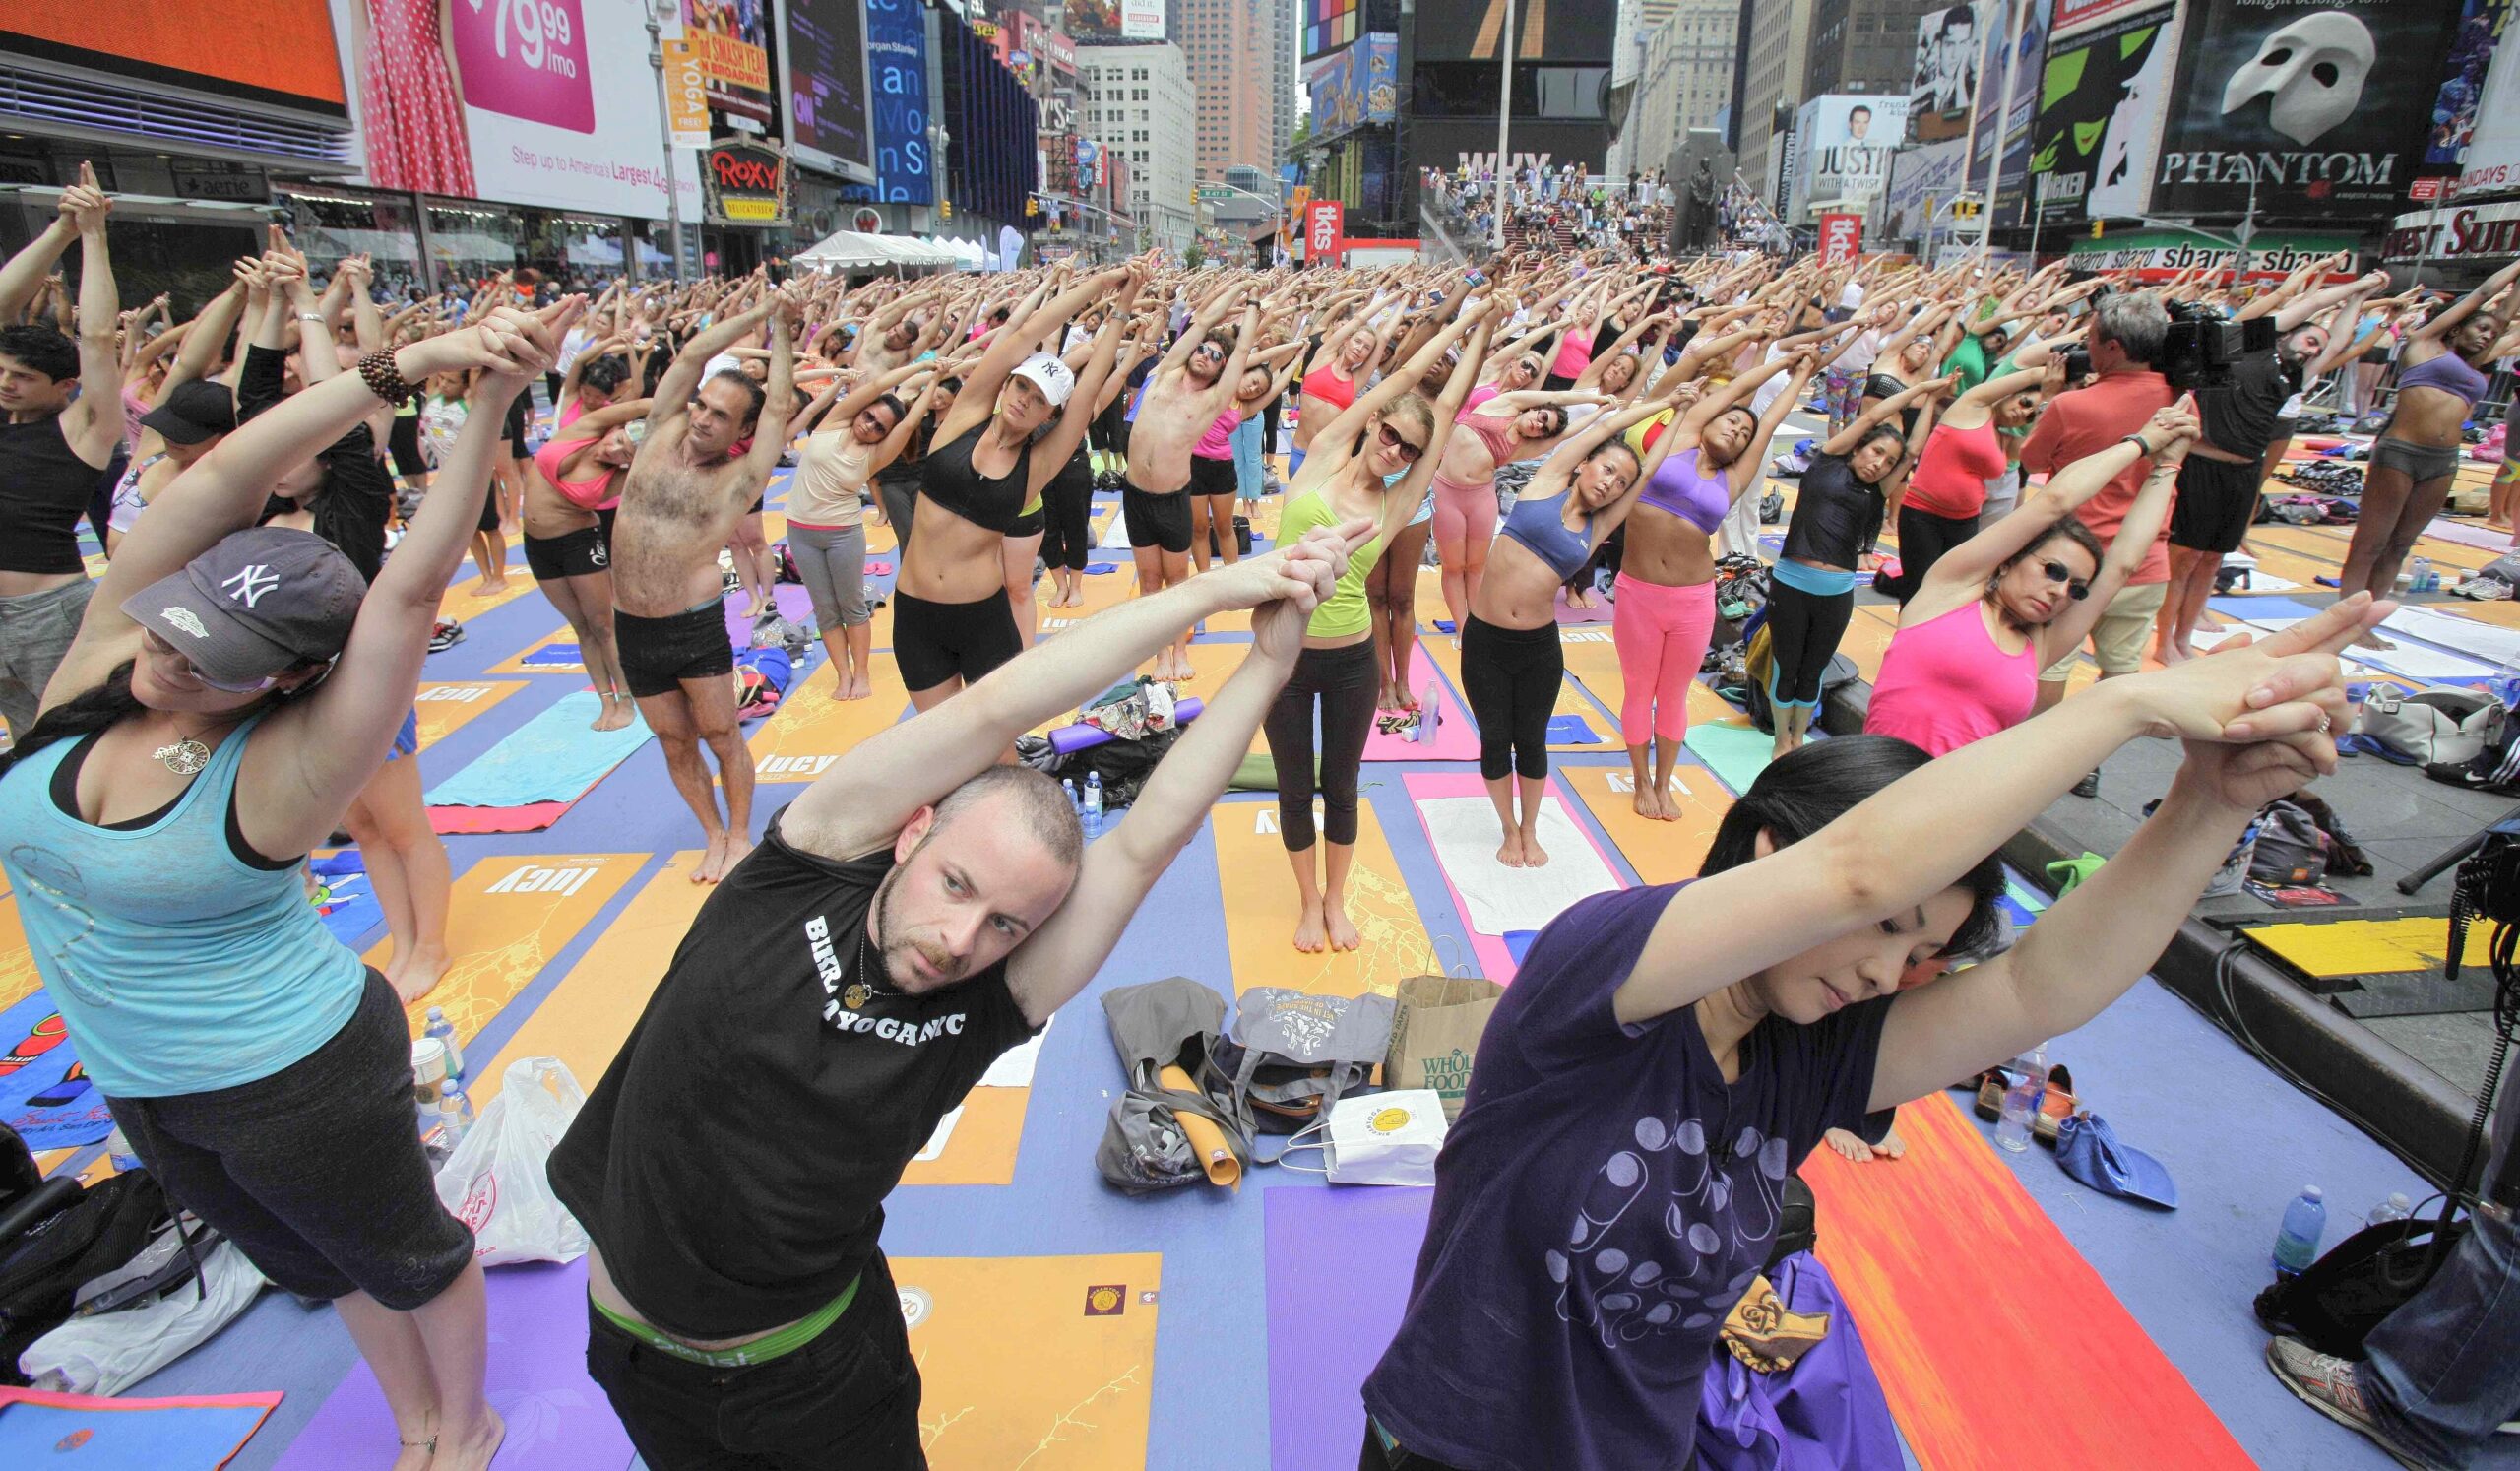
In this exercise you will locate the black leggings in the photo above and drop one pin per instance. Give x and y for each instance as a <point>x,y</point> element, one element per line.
<point>1803,629</point>
<point>1511,676</point>
<point>1067,505</point>
<point>1346,683</point>
<point>1923,538</point>
<point>899,495</point>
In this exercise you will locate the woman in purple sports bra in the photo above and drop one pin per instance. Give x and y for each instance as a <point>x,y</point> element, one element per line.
<point>1509,426</point>
<point>2443,375</point>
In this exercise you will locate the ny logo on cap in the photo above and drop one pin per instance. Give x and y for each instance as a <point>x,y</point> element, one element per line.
<point>249,585</point>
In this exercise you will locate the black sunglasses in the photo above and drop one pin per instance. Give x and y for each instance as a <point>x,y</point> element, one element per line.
<point>1392,441</point>
<point>2059,573</point>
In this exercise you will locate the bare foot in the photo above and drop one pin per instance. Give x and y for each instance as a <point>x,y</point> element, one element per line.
<point>418,975</point>
<point>1891,1146</point>
<point>488,589</point>
<point>2372,641</point>
<point>862,686</point>
<point>2169,653</point>
<point>1510,853</point>
<point>1533,855</point>
<point>1645,805</point>
<point>475,1451</point>
<point>1848,1145</point>
<point>1343,931</point>
<point>737,845</point>
<point>1385,699</point>
<point>1312,935</point>
<point>1405,701</point>
<point>414,1455</point>
<point>713,862</point>
<point>616,713</point>
<point>1667,809</point>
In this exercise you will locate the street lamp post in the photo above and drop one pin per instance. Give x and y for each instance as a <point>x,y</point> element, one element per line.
<point>665,130</point>
<point>1504,115</point>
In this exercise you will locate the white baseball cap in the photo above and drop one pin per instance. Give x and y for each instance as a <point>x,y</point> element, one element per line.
<point>1049,375</point>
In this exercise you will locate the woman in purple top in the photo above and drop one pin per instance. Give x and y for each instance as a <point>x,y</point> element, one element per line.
<point>1666,1055</point>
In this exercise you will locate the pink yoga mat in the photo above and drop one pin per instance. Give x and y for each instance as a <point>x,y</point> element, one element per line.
<point>1456,736</point>
<point>537,1379</point>
<point>1600,612</point>
<point>2465,535</point>
<point>532,817</point>
<point>1495,960</point>
<point>794,604</point>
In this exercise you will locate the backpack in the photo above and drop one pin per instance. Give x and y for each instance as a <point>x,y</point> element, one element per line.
<point>2290,849</point>
<point>84,1235</point>
<point>1295,1053</point>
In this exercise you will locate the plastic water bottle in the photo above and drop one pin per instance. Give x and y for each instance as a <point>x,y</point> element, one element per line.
<point>1075,803</point>
<point>2425,579</point>
<point>455,1115</point>
<point>2021,1103</point>
<point>2396,1208</point>
<point>1093,804</point>
<point>444,1031</point>
<point>2296,1245</point>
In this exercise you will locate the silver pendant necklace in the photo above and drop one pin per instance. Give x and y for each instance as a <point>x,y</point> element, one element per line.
<point>186,755</point>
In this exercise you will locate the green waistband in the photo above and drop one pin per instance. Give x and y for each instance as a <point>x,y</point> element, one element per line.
<point>759,1351</point>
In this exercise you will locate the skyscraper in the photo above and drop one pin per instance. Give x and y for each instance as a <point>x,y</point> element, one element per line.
<point>1233,46</point>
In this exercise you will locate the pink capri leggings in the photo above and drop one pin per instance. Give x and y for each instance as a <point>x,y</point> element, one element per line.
<point>1662,634</point>
<point>1465,514</point>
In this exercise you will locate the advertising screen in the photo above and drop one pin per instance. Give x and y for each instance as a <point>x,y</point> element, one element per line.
<point>825,61</point>
<point>896,75</point>
<point>2100,106</point>
<point>2463,81</point>
<point>1945,83</point>
<point>286,53</point>
<point>1844,142</point>
<point>1922,179</point>
<point>1561,32</point>
<point>1094,21</point>
<point>730,39</point>
<point>1352,88</point>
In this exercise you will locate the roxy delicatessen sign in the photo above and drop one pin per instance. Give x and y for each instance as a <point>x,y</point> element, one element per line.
<point>746,182</point>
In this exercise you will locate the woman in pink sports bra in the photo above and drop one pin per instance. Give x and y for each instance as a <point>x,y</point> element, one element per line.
<point>1511,427</point>
<point>569,499</point>
<point>2018,596</point>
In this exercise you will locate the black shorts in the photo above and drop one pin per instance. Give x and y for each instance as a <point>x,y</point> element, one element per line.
<point>315,1172</point>
<point>519,408</point>
<point>1212,477</point>
<point>569,555</point>
<point>1158,519</point>
<point>2215,504</point>
<point>658,654</point>
<point>405,441</point>
<point>759,501</point>
<point>934,642</point>
<point>1030,524</point>
<point>490,509</point>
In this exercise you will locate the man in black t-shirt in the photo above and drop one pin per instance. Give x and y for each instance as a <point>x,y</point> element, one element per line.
<point>2218,483</point>
<point>916,912</point>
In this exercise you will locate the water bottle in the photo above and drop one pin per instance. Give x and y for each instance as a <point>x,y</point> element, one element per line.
<point>2021,1103</point>
<point>455,1115</point>
<point>1075,803</point>
<point>2396,1208</point>
<point>2296,1245</point>
<point>1093,804</point>
<point>444,1031</point>
<point>2424,579</point>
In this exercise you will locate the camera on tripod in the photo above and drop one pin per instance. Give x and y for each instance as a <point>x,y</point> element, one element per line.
<point>2202,345</point>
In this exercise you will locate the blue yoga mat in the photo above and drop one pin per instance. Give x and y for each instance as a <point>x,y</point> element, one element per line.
<point>1737,755</point>
<point>46,1096</point>
<point>1571,730</point>
<point>76,1430</point>
<point>552,758</point>
<point>553,656</point>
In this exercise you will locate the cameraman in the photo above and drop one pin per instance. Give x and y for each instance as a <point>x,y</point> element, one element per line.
<point>2219,484</point>
<point>2125,393</point>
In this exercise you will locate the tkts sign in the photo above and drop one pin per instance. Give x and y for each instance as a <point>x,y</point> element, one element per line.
<point>746,181</point>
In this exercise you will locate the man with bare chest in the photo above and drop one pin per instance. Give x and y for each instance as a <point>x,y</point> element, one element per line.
<point>1188,390</point>
<point>710,449</point>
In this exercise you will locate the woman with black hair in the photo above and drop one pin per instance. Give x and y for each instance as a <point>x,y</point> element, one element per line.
<point>231,691</point>
<point>826,508</point>
<point>1668,1054</point>
<point>2019,596</point>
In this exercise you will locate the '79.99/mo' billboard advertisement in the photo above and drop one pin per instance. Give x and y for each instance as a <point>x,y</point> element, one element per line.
<point>2317,105</point>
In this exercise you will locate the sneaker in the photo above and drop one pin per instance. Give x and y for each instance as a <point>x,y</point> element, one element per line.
<point>2088,786</point>
<point>2329,1385</point>
<point>445,635</point>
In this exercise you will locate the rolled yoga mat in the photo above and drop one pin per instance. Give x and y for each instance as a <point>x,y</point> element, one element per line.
<point>1216,1156</point>
<point>1067,740</point>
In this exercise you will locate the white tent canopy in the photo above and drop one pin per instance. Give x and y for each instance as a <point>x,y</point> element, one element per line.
<point>850,250</point>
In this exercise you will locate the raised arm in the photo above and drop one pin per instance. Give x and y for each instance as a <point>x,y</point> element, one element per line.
<point>2438,326</point>
<point>1968,565</point>
<point>1752,463</point>
<point>93,424</point>
<point>1402,500</point>
<point>1351,420</point>
<point>1843,441</point>
<point>22,280</point>
<point>672,398</point>
<point>778,401</point>
<point>1067,431</point>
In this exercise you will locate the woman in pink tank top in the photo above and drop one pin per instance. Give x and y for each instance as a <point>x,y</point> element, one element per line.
<point>570,493</point>
<point>2017,597</point>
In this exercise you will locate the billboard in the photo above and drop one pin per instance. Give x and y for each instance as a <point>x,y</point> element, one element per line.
<point>823,68</point>
<point>1921,178</point>
<point>2296,102</point>
<point>1327,25</point>
<point>2155,255</point>
<point>2074,17</point>
<point>1841,238</point>
<point>1097,20</point>
<point>1999,157</point>
<point>1324,221</point>
<point>897,80</point>
<point>2492,159</point>
<point>1843,143</point>
<point>561,113</point>
<point>2463,80</point>
<point>1352,88</point>
<point>283,51</point>
<point>730,39</point>
<point>2478,233</point>
<point>2100,103</point>
<point>1568,33</point>
<point>1945,83</point>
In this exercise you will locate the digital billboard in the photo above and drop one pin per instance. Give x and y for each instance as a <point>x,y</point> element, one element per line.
<point>1944,85</point>
<point>896,77</point>
<point>283,50</point>
<point>824,63</point>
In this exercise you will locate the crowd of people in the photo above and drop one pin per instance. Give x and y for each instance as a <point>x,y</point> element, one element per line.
<point>237,684</point>
<point>1562,209</point>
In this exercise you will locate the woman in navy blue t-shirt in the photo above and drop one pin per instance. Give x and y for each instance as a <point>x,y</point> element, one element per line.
<point>1667,1056</point>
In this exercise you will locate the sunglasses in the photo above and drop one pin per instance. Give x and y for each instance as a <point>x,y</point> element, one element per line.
<point>2075,587</point>
<point>1392,441</point>
<point>193,671</point>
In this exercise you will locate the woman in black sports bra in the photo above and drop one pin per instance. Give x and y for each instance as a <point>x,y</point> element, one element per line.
<point>1907,360</point>
<point>952,620</point>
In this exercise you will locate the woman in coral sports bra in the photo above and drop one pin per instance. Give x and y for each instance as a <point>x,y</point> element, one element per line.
<point>569,502</point>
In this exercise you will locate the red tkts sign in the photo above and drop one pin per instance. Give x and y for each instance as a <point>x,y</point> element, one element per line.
<point>1841,238</point>
<point>1325,222</point>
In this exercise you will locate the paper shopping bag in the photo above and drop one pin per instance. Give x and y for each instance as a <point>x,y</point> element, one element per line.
<point>1437,1034</point>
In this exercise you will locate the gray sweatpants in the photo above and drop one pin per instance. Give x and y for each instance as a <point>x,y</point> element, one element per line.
<point>834,566</point>
<point>36,630</point>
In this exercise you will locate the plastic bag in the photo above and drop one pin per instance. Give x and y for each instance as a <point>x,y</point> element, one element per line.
<point>109,1352</point>
<point>494,1181</point>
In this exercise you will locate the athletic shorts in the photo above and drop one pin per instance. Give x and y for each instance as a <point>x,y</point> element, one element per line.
<point>1030,524</point>
<point>2216,502</point>
<point>489,521</point>
<point>1160,520</point>
<point>1212,477</point>
<point>519,408</point>
<point>657,654</point>
<point>934,642</point>
<point>2420,462</point>
<point>569,554</point>
<point>2117,639</point>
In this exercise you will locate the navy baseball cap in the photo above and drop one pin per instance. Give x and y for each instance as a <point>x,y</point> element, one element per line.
<point>261,603</point>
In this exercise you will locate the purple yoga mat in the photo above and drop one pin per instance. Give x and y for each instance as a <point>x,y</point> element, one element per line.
<point>557,1419</point>
<point>1067,740</point>
<point>794,605</point>
<point>1339,1258</point>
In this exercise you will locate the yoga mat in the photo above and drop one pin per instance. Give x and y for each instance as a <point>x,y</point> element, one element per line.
<point>509,916</point>
<point>1260,911</point>
<point>1337,1263</point>
<point>1568,613</point>
<point>554,652</point>
<point>45,1094</point>
<point>463,605</point>
<point>2474,637</point>
<point>2482,537</point>
<point>351,910</point>
<point>1445,650</point>
<point>192,1433</point>
<point>1459,824</point>
<point>447,706</point>
<point>793,603</point>
<point>2355,948</point>
<point>553,757</point>
<point>1962,1283</point>
<point>1734,749</point>
<point>814,727</point>
<point>18,978</point>
<point>1660,851</point>
<point>1047,1363</point>
<point>1594,667</point>
<point>536,1379</point>
<point>1456,735</point>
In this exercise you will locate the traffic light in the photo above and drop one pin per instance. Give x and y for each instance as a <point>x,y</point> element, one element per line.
<point>2095,229</point>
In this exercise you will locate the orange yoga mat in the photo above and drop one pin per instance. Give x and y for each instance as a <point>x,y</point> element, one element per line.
<point>1572,700</point>
<point>509,917</point>
<point>1047,1363</point>
<point>514,663</point>
<point>445,706</point>
<point>463,605</point>
<point>1595,665</point>
<point>1260,910</point>
<point>1993,1338</point>
<point>1660,851</point>
<point>813,726</point>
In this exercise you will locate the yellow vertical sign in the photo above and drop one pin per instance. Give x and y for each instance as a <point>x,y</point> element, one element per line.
<point>686,96</point>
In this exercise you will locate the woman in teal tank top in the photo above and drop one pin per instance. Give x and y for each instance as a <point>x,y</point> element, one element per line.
<point>1373,461</point>
<point>230,691</point>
